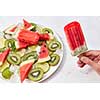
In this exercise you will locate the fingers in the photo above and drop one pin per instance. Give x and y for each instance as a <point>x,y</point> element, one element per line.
<point>80,63</point>
<point>97,59</point>
<point>92,52</point>
<point>93,64</point>
<point>91,58</point>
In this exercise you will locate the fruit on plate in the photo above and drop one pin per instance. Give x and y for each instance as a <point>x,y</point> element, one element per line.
<point>40,42</point>
<point>44,53</point>
<point>54,59</point>
<point>28,50</point>
<point>10,43</point>
<point>50,52</point>
<point>45,66</point>
<point>20,45</point>
<point>2,49</point>
<point>11,29</point>
<point>36,74</point>
<point>21,52</point>
<point>54,45</point>
<point>28,25</point>
<point>44,37</point>
<point>24,70</point>
<point>75,38</point>
<point>14,58</point>
<point>39,28</point>
<point>47,30</point>
<point>7,73</point>
<point>30,55</point>
<point>29,37</point>
<point>3,56</point>
<point>5,65</point>
<point>32,48</point>
<point>34,27</point>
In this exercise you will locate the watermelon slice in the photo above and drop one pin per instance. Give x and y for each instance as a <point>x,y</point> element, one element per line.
<point>20,45</point>
<point>44,53</point>
<point>3,56</point>
<point>24,70</point>
<point>29,37</point>
<point>27,25</point>
<point>11,30</point>
<point>44,36</point>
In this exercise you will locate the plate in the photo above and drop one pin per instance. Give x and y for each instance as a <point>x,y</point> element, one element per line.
<point>15,78</point>
<point>53,69</point>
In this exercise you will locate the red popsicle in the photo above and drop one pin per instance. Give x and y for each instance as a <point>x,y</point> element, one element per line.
<point>75,38</point>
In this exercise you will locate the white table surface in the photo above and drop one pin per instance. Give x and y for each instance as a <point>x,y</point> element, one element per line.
<point>68,71</point>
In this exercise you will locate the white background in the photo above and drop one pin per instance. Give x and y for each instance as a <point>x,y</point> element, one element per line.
<point>53,91</point>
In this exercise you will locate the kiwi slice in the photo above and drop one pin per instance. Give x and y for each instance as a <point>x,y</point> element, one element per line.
<point>36,74</point>
<point>39,28</point>
<point>34,27</point>
<point>2,49</point>
<point>30,55</point>
<point>10,43</point>
<point>14,58</point>
<point>54,59</point>
<point>54,45</point>
<point>50,52</point>
<point>7,73</point>
<point>21,52</point>
<point>44,66</point>
<point>47,30</point>
<point>5,65</point>
<point>32,48</point>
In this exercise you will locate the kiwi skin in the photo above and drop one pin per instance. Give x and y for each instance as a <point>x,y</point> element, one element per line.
<point>53,49</point>
<point>39,75</point>
<point>30,55</point>
<point>12,43</point>
<point>11,61</point>
<point>34,28</point>
<point>55,58</point>
<point>47,30</point>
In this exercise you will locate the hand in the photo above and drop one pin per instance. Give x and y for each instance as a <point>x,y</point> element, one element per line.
<point>91,58</point>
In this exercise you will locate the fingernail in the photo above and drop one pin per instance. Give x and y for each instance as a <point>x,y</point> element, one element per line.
<point>84,59</point>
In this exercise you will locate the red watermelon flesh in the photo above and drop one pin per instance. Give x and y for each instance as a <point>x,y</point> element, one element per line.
<point>27,24</point>
<point>3,56</point>
<point>29,37</point>
<point>24,70</point>
<point>13,29</point>
<point>44,36</point>
<point>22,45</point>
<point>43,51</point>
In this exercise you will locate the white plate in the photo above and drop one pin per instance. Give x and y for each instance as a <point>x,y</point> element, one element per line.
<point>16,79</point>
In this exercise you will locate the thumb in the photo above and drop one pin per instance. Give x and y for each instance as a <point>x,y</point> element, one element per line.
<point>88,61</point>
